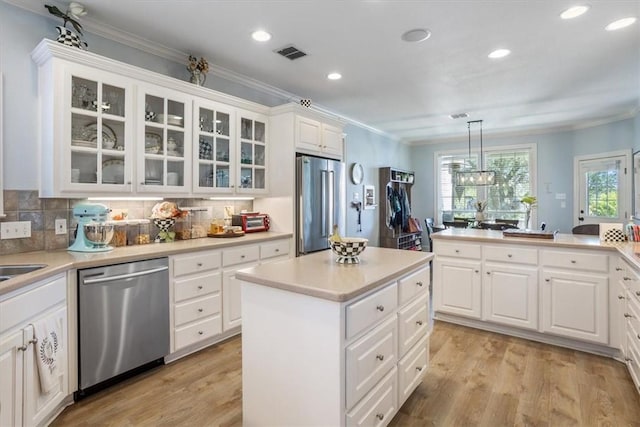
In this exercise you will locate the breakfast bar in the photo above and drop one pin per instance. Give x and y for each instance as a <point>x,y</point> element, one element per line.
<point>340,344</point>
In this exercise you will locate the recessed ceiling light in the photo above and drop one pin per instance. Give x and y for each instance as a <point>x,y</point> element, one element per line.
<point>261,36</point>
<point>334,76</point>
<point>574,12</point>
<point>620,23</point>
<point>499,53</point>
<point>416,35</point>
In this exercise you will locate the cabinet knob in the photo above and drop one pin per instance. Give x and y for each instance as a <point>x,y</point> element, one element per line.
<point>547,280</point>
<point>380,307</point>
<point>626,278</point>
<point>199,286</point>
<point>628,316</point>
<point>638,293</point>
<point>277,250</point>
<point>638,335</point>
<point>380,416</point>
<point>142,183</point>
<point>380,357</point>
<point>621,297</point>
<point>573,261</point>
<point>628,359</point>
<point>200,332</point>
<point>618,269</point>
<point>242,256</point>
<point>457,251</point>
<point>477,271</point>
<point>199,264</point>
<point>419,368</point>
<point>419,284</point>
<point>509,256</point>
<point>22,348</point>
<point>128,182</point>
<point>488,272</point>
<point>33,340</point>
<point>200,310</point>
<point>419,322</point>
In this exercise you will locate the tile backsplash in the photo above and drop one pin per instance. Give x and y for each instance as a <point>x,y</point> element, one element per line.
<point>25,205</point>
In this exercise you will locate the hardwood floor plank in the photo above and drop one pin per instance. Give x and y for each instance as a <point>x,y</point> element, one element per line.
<point>475,378</point>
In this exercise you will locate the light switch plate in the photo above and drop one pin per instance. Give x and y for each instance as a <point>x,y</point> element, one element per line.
<point>15,230</point>
<point>61,226</point>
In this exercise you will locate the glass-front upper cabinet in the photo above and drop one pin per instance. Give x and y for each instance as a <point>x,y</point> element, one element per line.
<point>252,153</point>
<point>164,152</point>
<point>213,148</point>
<point>98,109</point>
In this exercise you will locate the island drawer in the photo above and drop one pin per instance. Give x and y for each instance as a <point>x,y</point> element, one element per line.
<point>633,357</point>
<point>457,249</point>
<point>196,309</point>
<point>411,285</point>
<point>240,255</point>
<point>369,310</point>
<point>413,323</point>
<point>199,331</point>
<point>195,263</point>
<point>575,260</point>
<point>632,281</point>
<point>196,286</point>
<point>369,359</point>
<point>412,368</point>
<point>274,249</point>
<point>519,254</point>
<point>632,314</point>
<point>377,408</point>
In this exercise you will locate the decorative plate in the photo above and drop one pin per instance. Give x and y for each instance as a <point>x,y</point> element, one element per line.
<point>90,133</point>
<point>206,150</point>
<point>113,171</point>
<point>152,143</point>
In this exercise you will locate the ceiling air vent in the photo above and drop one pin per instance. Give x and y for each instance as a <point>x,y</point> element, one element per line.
<point>458,116</point>
<point>291,52</point>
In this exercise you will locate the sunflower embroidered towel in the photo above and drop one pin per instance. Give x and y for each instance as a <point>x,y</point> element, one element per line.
<point>48,351</point>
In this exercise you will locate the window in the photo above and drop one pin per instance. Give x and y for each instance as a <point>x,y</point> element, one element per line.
<point>515,178</point>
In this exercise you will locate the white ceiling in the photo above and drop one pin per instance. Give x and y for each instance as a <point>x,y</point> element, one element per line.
<point>560,73</point>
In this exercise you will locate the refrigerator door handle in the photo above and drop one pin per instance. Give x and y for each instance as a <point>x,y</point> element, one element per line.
<point>323,198</point>
<point>331,195</point>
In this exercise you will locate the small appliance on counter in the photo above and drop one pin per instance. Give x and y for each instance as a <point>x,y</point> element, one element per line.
<point>93,233</point>
<point>251,221</point>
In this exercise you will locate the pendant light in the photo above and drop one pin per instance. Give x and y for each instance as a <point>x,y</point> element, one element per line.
<point>475,177</point>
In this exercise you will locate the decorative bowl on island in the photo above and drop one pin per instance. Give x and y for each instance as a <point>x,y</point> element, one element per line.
<point>348,249</point>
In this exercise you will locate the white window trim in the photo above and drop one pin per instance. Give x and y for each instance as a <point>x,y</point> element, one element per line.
<point>533,168</point>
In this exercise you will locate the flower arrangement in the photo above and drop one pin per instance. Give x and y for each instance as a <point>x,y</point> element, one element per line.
<point>480,205</point>
<point>529,202</point>
<point>198,69</point>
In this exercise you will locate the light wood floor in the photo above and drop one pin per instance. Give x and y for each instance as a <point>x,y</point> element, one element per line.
<point>475,378</point>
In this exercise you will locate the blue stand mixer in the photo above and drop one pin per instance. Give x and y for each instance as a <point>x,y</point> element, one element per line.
<point>92,235</point>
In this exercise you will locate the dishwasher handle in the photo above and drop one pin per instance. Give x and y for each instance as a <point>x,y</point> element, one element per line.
<point>124,276</point>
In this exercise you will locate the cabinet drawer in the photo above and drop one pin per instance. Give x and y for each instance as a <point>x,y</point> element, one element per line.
<point>377,408</point>
<point>240,255</point>
<point>369,359</point>
<point>198,331</point>
<point>575,260</point>
<point>274,249</point>
<point>518,255</point>
<point>17,310</point>
<point>412,368</point>
<point>632,314</point>
<point>411,285</point>
<point>197,286</point>
<point>633,358</point>
<point>196,309</point>
<point>366,312</point>
<point>195,263</point>
<point>413,324</point>
<point>631,280</point>
<point>457,249</point>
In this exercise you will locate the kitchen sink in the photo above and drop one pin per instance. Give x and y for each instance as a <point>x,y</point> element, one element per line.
<point>9,271</point>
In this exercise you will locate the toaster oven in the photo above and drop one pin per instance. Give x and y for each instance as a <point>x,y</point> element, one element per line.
<point>251,222</point>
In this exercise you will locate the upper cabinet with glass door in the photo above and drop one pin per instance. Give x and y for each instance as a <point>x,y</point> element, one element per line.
<point>213,148</point>
<point>252,153</point>
<point>164,151</point>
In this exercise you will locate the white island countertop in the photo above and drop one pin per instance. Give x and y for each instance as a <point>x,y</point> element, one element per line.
<point>318,274</point>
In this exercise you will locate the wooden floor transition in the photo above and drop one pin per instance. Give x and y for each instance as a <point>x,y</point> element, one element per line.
<point>476,378</point>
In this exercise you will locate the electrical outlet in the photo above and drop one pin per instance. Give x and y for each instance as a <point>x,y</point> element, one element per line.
<point>15,230</point>
<point>61,226</point>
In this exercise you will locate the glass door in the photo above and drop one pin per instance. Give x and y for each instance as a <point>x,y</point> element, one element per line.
<point>213,151</point>
<point>252,153</point>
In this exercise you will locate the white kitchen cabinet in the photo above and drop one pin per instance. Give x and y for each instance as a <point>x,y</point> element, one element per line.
<point>234,259</point>
<point>457,286</point>
<point>316,137</point>
<point>21,399</point>
<point>252,153</point>
<point>510,295</point>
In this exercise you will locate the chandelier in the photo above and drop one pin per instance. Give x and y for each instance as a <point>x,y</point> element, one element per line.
<point>475,177</point>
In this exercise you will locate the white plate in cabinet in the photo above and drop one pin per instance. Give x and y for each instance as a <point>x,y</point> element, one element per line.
<point>195,263</point>
<point>274,249</point>
<point>457,249</point>
<point>511,254</point>
<point>240,255</point>
<point>412,368</point>
<point>413,284</point>
<point>369,310</point>
<point>196,309</point>
<point>379,406</point>
<point>197,286</point>
<point>369,359</point>
<point>199,331</point>
<point>413,323</point>
<point>575,260</point>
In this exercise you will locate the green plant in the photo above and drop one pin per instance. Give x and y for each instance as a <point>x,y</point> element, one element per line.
<point>65,17</point>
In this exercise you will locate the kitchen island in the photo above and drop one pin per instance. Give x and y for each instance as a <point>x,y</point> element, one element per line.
<point>333,344</point>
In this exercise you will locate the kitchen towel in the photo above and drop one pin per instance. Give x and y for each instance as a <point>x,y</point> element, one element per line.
<point>48,352</point>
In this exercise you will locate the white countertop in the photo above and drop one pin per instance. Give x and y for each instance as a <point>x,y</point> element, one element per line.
<point>62,260</point>
<point>318,274</point>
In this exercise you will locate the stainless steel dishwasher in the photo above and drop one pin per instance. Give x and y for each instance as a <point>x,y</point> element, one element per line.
<point>123,321</point>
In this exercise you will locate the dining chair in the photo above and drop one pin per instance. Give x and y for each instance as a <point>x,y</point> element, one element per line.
<point>508,221</point>
<point>590,229</point>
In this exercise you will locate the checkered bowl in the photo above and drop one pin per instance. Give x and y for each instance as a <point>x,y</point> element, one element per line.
<point>348,249</point>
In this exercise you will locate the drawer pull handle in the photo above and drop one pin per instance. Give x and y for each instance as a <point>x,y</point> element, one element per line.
<point>277,250</point>
<point>200,310</point>
<point>477,271</point>
<point>200,332</point>
<point>638,335</point>
<point>419,322</point>
<point>380,416</point>
<point>638,293</point>
<point>419,284</point>
<point>547,280</point>
<point>621,297</point>
<point>380,307</point>
<point>509,256</point>
<point>573,261</point>
<point>618,269</point>
<point>488,272</point>
<point>242,256</point>
<point>34,340</point>
<point>199,286</point>
<point>419,368</point>
<point>627,315</point>
<point>626,278</point>
<point>199,264</point>
<point>22,348</point>
<point>628,359</point>
<point>457,251</point>
<point>380,357</point>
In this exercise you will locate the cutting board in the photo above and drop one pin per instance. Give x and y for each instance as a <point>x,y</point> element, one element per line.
<point>532,234</point>
<point>227,235</point>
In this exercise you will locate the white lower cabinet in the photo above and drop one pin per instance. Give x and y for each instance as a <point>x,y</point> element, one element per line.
<point>22,401</point>
<point>231,299</point>
<point>457,286</point>
<point>379,406</point>
<point>510,295</point>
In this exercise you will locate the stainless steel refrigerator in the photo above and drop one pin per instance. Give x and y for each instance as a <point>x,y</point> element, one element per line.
<point>320,202</point>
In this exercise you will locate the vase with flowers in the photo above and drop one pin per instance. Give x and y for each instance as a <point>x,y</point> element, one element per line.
<point>480,206</point>
<point>198,69</point>
<point>164,216</point>
<point>529,202</point>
